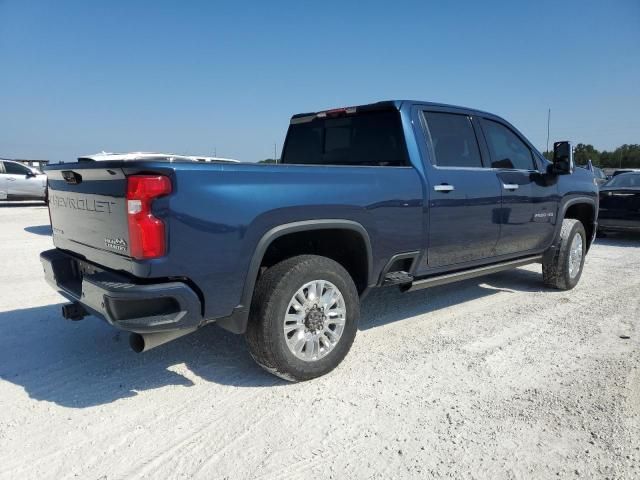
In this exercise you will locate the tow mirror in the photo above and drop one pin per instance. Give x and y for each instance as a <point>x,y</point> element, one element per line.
<point>563,158</point>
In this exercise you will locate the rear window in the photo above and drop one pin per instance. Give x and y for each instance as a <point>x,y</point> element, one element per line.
<point>363,139</point>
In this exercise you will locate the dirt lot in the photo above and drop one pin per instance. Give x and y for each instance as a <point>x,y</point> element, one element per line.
<point>490,378</point>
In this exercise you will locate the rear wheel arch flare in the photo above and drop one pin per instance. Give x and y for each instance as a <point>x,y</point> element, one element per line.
<point>308,227</point>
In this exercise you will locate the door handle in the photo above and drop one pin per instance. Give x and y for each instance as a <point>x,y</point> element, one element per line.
<point>443,188</point>
<point>11,179</point>
<point>510,186</point>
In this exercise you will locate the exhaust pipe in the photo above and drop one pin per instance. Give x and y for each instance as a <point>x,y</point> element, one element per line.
<point>74,311</point>
<point>141,342</point>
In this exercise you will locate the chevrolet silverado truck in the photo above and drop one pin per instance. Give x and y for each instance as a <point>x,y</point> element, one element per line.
<point>403,193</point>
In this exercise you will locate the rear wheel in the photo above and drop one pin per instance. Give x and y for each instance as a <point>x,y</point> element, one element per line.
<point>304,317</point>
<point>562,266</point>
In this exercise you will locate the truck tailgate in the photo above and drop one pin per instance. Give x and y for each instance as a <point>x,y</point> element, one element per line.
<point>88,208</point>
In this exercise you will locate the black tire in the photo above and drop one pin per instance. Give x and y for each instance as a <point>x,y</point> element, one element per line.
<point>555,262</point>
<point>274,290</point>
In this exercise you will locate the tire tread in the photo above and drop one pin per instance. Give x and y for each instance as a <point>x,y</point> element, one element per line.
<point>554,261</point>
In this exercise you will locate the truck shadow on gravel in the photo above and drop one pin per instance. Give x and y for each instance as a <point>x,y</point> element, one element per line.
<point>389,304</point>
<point>88,363</point>
<point>44,230</point>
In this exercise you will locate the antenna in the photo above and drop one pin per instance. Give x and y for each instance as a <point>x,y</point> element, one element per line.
<point>548,124</point>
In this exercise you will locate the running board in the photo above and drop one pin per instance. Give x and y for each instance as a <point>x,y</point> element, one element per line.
<point>474,272</point>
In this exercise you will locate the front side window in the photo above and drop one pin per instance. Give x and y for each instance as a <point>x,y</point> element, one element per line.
<point>372,138</point>
<point>453,139</point>
<point>15,169</point>
<point>506,148</point>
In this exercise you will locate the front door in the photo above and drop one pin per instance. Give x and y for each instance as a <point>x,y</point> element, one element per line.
<point>21,182</point>
<point>529,197</point>
<point>464,196</point>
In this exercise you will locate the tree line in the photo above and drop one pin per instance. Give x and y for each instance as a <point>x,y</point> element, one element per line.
<point>625,156</point>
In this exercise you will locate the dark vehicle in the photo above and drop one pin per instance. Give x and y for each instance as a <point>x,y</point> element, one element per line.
<point>401,193</point>
<point>620,203</point>
<point>620,171</point>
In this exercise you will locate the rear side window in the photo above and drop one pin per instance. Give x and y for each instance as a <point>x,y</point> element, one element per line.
<point>361,139</point>
<point>453,139</point>
<point>506,148</point>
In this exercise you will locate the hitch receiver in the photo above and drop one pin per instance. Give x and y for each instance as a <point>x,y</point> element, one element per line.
<point>74,311</point>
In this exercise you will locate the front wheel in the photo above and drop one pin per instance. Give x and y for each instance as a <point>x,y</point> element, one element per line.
<point>562,266</point>
<point>304,317</point>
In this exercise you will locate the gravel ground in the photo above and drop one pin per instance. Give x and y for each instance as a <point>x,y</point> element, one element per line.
<point>490,378</point>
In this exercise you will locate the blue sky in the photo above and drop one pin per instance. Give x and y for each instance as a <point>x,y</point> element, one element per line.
<point>198,77</point>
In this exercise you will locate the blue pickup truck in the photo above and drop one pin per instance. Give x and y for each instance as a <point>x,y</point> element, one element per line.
<point>404,193</point>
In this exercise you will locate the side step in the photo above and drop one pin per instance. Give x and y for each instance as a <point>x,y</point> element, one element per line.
<point>397,278</point>
<point>474,272</point>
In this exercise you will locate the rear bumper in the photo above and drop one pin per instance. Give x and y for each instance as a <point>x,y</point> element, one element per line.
<point>134,307</point>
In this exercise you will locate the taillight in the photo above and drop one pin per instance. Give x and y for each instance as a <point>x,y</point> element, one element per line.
<point>146,232</point>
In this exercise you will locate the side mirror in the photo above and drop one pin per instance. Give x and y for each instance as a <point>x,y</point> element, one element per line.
<point>30,174</point>
<point>563,158</point>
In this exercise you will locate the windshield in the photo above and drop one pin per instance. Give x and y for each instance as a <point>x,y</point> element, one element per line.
<point>625,180</point>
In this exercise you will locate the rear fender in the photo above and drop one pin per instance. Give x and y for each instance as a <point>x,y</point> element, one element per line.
<point>237,321</point>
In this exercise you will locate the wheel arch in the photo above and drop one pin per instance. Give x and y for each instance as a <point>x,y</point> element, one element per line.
<point>237,321</point>
<point>584,209</point>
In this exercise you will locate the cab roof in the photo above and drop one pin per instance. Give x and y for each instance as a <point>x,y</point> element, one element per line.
<point>386,105</point>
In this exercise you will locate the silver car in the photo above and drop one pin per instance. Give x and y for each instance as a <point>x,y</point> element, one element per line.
<point>21,182</point>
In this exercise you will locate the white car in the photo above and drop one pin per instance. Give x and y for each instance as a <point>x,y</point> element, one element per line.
<point>21,182</point>
<point>106,156</point>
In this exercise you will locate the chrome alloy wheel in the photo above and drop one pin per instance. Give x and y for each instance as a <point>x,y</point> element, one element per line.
<point>315,320</point>
<point>575,256</point>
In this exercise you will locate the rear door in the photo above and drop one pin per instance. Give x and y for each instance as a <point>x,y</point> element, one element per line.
<point>464,196</point>
<point>620,202</point>
<point>529,197</point>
